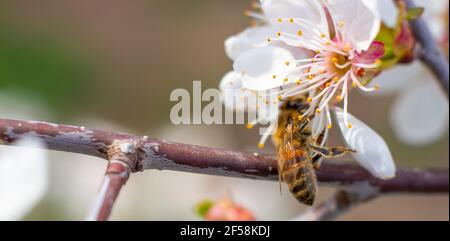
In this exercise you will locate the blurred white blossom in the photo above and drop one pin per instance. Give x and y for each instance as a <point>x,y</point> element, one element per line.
<point>420,113</point>
<point>23,178</point>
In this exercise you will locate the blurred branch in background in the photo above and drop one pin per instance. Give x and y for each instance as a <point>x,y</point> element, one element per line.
<point>128,153</point>
<point>429,51</point>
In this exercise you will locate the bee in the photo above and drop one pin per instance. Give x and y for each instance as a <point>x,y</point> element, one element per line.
<point>299,153</point>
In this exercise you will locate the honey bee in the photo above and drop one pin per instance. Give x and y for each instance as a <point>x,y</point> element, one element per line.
<point>299,153</point>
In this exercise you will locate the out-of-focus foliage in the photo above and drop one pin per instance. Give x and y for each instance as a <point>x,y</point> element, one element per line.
<point>45,68</point>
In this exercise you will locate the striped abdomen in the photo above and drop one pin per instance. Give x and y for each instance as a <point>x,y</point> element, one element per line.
<point>298,172</point>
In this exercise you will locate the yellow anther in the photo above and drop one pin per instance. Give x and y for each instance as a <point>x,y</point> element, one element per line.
<point>257,107</point>
<point>328,84</point>
<point>298,82</point>
<point>347,48</point>
<point>350,126</point>
<point>291,20</point>
<point>274,76</point>
<point>247,13</point>
<point>250,126</point>
<point>300,33</point>
<point>279,97</point>
<point>341,24</point>
<point>300,117</point>
<point>280,20</point>
<point>318,111</point>
<point>309,99</point>
<point>335,79</point>
<point>287,63</point>
<point>330,126</point>
<point>354,85</point>
<point>279,34</point>
<point>317,51</point>
<point>339,98</point>
<point>286,80</point>
<point>267,102</point>
<point>261,145</point>
<point>334,60</point>
<point>322,35</point>
<point>377,87</point>
<point>327,43</point>
<point>378,62</point>
<point>269,40</point>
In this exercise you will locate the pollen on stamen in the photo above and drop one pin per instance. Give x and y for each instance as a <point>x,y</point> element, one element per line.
<point>287,63</point>
<point>274,76</point>
<point>330,126</point>
<point>322,35</point>
<point>339,98</point>
<point>300,117</point>
<point>376,87</point>
<point>335,79</point>
<point>341,24</point>
<point>298,82</point>
<point>269,40</point>
<point>349,126</point>
<point>279,34</point>
<point>317,51</point>
<point>286,80</point>
<point>309,100</point>
<point>291,20</point>
<point>250,126</point>
<point>280,20</point>
<point>261,145</point>
<point>318,111</point>
<point>300,33</point>
<point>347,48</point>
<point>354,85</point>
<point>279,97</point>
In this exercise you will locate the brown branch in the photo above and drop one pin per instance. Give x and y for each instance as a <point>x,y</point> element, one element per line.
<point>146,153</point>
<point>141,153</point>
<point>115,178</point>
<point>429,52</point>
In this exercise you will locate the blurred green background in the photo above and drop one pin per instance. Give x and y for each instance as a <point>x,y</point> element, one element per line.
<point>112,65</point>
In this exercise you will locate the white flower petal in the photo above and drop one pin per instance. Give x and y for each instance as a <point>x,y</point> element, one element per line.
<point>361,20</point>
<point>309,10</point>
<point>420,114</point>
<point>23,178</point>
<point>372,151</point>
<point>264,68</point>
<point>388,12</point>
<point>234,96</point>
<point>248,39</point>
<point>397,78</point>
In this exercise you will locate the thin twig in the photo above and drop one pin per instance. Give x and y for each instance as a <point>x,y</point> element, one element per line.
<point>429,53</point>
<point>115,178</point>
<point>339,203</point>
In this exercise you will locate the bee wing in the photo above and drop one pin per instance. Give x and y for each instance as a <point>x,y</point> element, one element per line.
<point>23,178</point>
<point>372,152</point>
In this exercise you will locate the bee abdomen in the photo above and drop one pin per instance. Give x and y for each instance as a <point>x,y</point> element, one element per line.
<point>301,182</point>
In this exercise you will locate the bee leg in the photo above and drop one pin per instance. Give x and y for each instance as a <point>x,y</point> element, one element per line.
<point>331,152</point>
<point>316,161</point>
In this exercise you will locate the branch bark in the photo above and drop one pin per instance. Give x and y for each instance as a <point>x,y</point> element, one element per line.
<point>429,52</point>
<point>146,153</point>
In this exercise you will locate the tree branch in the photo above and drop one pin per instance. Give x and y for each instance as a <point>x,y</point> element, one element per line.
<point>145,153</point>
<point>429,52</point>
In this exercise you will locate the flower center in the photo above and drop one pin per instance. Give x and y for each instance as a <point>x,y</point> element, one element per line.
<point>338,64</point>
